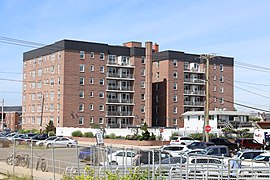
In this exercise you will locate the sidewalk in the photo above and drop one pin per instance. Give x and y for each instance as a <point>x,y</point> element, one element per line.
<point>26,172</point>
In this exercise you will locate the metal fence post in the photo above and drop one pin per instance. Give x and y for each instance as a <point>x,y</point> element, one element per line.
<point>78,161</point>
<point>53,161</point>
<point>32,159</point>
<point>13,164</point>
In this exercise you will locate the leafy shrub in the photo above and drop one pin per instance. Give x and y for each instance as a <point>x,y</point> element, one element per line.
<point>152,137</point>
<point>112,136</point>
<point>51,133</point>
<point>174,134</point>
<point>35,131</point>
<point>77,133</point>
<point>107,137</point>
<point>88,134</point>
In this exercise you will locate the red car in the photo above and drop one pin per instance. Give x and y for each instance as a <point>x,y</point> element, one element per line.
<point>248,143</point>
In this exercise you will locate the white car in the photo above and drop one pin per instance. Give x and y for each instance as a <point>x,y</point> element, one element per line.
<point>121,157</point>
<point>174,149</point>
<point>182,140</point>
<point>61,142</point>
<point>42,142</point>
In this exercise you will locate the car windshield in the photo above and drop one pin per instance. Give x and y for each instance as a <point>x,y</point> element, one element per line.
<point>203,151</point>
<point>261,158</point>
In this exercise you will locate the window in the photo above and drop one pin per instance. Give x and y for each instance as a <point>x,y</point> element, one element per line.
<point>81,107</point>
<point>91,80</point>
<point>52,82</point>
<point>143,60</point>
<point>174,98</point>
<point>92,54</point>
<point>215,88</point>
<point>221,67</point>
<point>157,87</point>
<point>157,98</point>
<point>81,120</point>
<point>51,107</point>
<point>82,55</point>
<point>92,68</point>
<point>157,75</point>
<point>101,69</point>
<point>52,95</point>
<point>157,109</point>
<point>186,65</point>
<point>221,100</point>
<point>175,110</point>
<point>33,120</point>
<point>157,64</point>
<point>91,120</point>
<point>221,90</point>
<point>221,78</point>
<point>142,97</point>
<point>174,74</point>
<point>101,81</point>
<point>100,120</point>
<point>142,108</point>
<point>174,86</point>
<point>215,77</point>
<point>142,84</point>
<point>39,72</point>
<point>175,62</point>
<point>91,94</point>
<point>82,67</point>
<point>101,107</point>
<point>174,122</point>
<point>81,94</point>
<point>101,56</point>
<point>81,80</point>
<point>142,72</point>
<point>91,106</point>
<point>101,94</point>
<point>214,66</point>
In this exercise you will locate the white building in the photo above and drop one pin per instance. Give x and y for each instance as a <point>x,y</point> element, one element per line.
<point>194,120</point>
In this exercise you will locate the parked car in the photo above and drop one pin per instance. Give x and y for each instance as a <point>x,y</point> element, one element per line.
<point>94,155</point>
<point>174,160</point>
<point>146,157</point>
<point>246,155</point>
<point>174,149</point>
<point>42,142</point>
<point>181,140</point>
<point>248,143</point>
<point>262,159</point>
<point>226,142</point>
<point>121,157</point>
<point>216,151</point>
<point>61,142</point>
<point>198,145</point>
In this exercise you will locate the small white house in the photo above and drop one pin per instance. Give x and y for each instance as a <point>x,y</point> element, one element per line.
<point>194,120</point>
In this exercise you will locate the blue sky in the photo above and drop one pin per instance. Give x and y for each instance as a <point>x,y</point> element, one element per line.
<point>238,29</point>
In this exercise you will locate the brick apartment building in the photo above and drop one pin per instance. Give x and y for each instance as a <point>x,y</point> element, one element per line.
<point>84,84</point>
<point>12,117</point>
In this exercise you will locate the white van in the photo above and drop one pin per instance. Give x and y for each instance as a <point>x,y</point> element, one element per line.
<point>262,136</point>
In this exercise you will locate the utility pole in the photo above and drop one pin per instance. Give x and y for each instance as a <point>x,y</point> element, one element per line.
<point>2,125</point>
<point>41,115</point>
<point>207,58</point>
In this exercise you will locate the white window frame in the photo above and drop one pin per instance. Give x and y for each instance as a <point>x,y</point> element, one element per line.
<point>81,81</point>
<point>92,55</point>
<point>102,120</point>
<point>82,67</point>
<point>81,120</point>
<point>82,55</point>
<point>175,63</point>
<point>92,68</point>
<point>101,107</point>
<point>81,107</point>
<point>101,69</point>
<point>101,95</point>
<point>102,56</point>
<point>81,94</point>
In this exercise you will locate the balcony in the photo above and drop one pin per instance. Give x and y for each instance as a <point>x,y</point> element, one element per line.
<point>120,88</point>
<point>194,70</point>
<point>194,81</point>
<point>119,113</point>
<point>197,93</point>
<point>116,75</point>
<point>194,104</point>
<point>119,64</point>
<point>126,101</point>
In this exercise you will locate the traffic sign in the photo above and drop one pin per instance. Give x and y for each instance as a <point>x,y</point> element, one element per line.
<point>207,128</point>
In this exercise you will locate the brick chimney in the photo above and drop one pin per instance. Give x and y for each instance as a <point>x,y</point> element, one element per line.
<point>132,44</point>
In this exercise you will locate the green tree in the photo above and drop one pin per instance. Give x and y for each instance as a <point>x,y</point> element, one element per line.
<point>50,127</point>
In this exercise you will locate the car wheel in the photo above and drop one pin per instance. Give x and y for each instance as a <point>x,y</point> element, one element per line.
<point>49,145</point>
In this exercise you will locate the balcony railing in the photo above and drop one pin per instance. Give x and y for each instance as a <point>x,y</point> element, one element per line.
<point>194,92</point>
<point>191,103</point>
<point>120,88</point>
<point>119,113</point>
<point>190,80</point>
<point>119,100</point>
<point>194,70</point>
<point>116,75</point>
<point>119,64</point>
